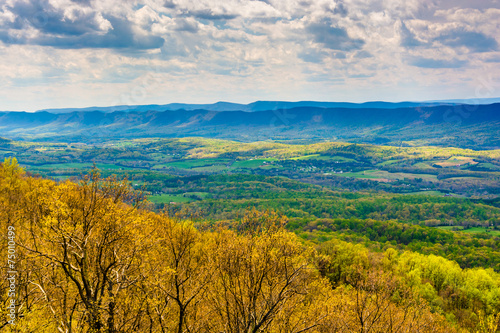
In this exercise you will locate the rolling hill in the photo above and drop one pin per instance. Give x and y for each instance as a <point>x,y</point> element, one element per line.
<point>473,126</point>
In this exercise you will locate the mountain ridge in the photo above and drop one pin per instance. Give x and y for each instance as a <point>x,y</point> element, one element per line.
<point>459,125</point>
<point>270,105</point>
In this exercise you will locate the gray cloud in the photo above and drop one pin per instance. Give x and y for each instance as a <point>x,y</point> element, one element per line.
<point>333,37</point>
<point>340,9</point>
<point>477,4</point>
<point>209,14</point>
<point>474,41</point>
<point>7,38</point>
<point>169,4</point>
<point>340,55</point>
<point>184,25</point>
<point>312,55</point>
<point>363,54</point>
<point>82,2</point>
<point>360,76</point>
<point>120,36</point>
<point>436,63</point>
<point>407,37</point>
<point>176,46</point>
<point>83,31</point>
<point>493,59</point>
<point>41,15</point>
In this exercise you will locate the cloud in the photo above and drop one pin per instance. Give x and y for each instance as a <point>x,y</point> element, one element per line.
<point>121,36</point>
<point>495,58</point>
<point>179,48</point>
<point>407,38</point>
<point>274,48</point>
<point>210,14</point>
<point>340,9</point>
<point>436,63</point>
<point>82,2</point>
<point>183,24</point>
<point>474,41</point>
<point>333,37</point>
<point>169,4</point>
<point>73,29</point>
<point>41,15</point>
<point>363,54</point>
<point>312,55</point>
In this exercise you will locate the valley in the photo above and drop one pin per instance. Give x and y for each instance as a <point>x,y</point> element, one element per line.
<point>425,213</point>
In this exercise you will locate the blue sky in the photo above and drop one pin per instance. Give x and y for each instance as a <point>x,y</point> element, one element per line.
<point>76,53</point>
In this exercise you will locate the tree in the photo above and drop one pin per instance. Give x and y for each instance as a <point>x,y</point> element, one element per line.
<point>257,278</point>
<point>84,243</point>
<point>181,269</point>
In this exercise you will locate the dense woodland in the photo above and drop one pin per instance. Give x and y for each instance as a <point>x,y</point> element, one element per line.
<point>92,256</point>
<point>204,235</point>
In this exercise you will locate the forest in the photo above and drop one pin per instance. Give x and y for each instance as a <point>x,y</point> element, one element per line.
<point>208,235</point>
<point>94,256</point>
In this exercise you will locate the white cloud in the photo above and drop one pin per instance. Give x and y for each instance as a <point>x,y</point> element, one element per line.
<point>240,50</point>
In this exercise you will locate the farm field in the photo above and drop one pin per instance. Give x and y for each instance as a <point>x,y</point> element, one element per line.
<point>474,230</point>
<point>334,164</point>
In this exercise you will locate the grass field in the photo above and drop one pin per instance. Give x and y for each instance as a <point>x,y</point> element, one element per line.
<point>83,166</point>
<point>196,163</point>
<point>490,166</point>
<point>211,168</point>
<point>383,175</point>
<point>450,227</point>
<point>179,198</point>
<point>437,193</point>
<point>167,198</point>
<point>389,162</point>
<point>462,178</point>
<point>456,161</point>
<point>423,165</point>
<point>251,163</point>
<point>474,230</point>
<point>307,157</point>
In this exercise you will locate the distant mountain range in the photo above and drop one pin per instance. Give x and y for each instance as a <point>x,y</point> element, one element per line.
<point>271,105</point>
<point>470,126</point>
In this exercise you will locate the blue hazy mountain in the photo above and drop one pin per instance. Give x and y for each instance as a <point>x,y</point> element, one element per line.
<point>473,126</point>
<point>270,105</point>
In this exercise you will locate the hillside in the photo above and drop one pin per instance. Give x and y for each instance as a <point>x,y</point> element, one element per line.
<point>338,165</point>
<point>468,126</point>
<point>93,257</point>
<point>271,105</point>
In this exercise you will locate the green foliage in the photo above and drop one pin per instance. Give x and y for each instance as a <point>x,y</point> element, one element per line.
<point>467,296</point>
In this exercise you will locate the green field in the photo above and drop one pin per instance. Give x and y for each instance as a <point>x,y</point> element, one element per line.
<point>167,198</point>
<point>490,166</point>
<point>83,166</point>
<point>251,163</point>
<point>435,193</point>
<point>473,230</point>
<point>383,175</point>
<point>178,198</point>
<point>389,162</point>
<point>323,158</point>
<point>392,169</point>
<point>194,163</point>
<point>423,165</point>
<point>211,168</point>
<point>463,178</point>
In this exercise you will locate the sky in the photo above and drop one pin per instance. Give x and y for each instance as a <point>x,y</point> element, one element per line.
<point>79,53</point>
